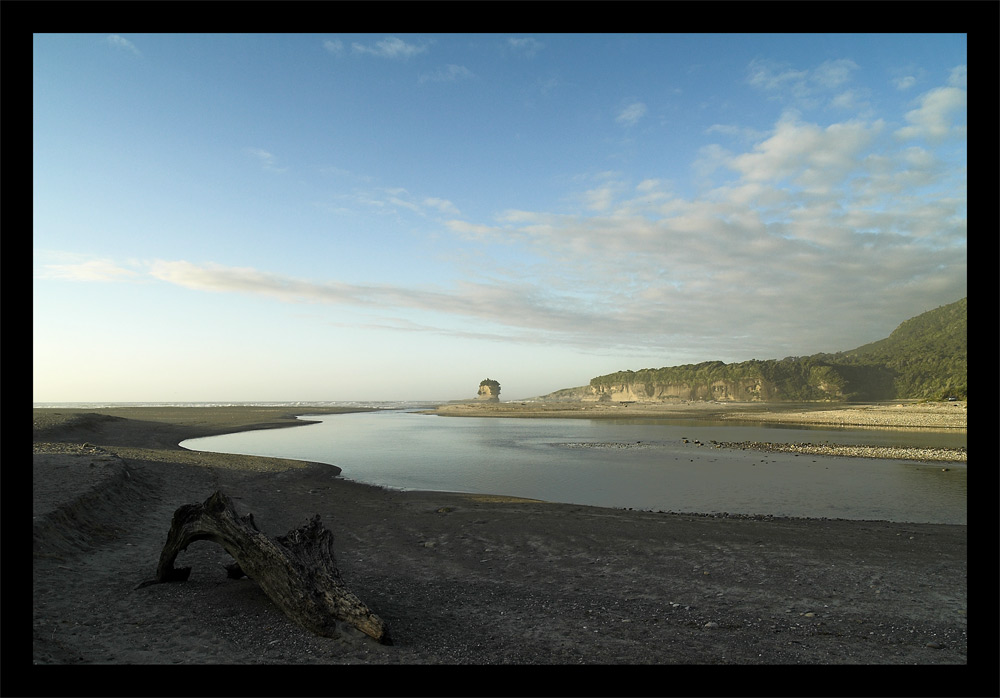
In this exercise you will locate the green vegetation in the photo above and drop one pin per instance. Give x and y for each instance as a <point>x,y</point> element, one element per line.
<point>491,383</point>
<point>928,354</point>
<point>925,357</point>
<point>791,378</point>
<point>568,394</point>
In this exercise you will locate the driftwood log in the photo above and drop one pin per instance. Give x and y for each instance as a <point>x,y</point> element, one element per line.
<point>297,571</point>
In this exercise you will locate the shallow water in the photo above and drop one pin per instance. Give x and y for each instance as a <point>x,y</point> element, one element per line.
<point>638,464</point>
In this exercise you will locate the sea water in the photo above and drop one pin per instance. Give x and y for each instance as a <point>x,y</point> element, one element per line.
<point>629,463</point>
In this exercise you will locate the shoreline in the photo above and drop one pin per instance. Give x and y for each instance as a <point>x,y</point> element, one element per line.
<point>894,415</point>
<point>459,578</point>
<point>943,455</point>
<point>946,417</point>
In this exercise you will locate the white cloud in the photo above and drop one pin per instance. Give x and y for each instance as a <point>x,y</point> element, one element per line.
<point>390,47</point>
<point>442,205</point>
<point>525,45</point>
<point>834,73</point>
<point>341,172</point>
<point>92,270</point>
<point>601,198</point>
<point>958,77</point>
<point>547,84</point>
<point>123,43</point>
<point>905,82</point>
<point>709,159</point>
<point>941,115</point>
<point>402,203</point>
<point>267,160</point>
<point>334,46</point>
<point>649,185</point>
<point>741,132</point>
<point>806,154</point>
<point>398,197</point>
<point>771,76</point>
<point>472,230</point>
<point>529,308</point>
<point>849,99</point>
<point>631,114</point>
<point>449,73</point>
<point>802,87</point>
<point>219,278</point>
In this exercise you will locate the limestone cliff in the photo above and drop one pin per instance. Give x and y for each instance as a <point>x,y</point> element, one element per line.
<point>748,390</point>
<point>751,381</point>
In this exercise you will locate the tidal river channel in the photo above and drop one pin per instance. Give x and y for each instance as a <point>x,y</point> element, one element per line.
<point>639,464</point>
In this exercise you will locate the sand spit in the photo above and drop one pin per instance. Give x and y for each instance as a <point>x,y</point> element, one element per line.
<point>460,579</point>
<point>923,415</point>
<point>915,415</point>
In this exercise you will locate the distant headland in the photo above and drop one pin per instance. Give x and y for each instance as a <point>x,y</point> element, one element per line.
<point>925,358</point>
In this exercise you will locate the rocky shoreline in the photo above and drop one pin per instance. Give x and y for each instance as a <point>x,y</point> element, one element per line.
<point>951,455</point>
<point>918,415</point>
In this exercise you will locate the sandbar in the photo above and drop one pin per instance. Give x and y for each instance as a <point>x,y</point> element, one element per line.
<point>899,415</point>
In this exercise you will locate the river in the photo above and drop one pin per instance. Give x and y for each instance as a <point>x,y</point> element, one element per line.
<point>637,464</point>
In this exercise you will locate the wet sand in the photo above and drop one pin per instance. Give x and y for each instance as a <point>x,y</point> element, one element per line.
<point>460,579</point>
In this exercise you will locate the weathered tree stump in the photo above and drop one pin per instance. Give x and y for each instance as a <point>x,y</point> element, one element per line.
<point>297,571</point>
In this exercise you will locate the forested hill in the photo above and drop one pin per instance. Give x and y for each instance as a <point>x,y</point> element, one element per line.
<point>925,357</point>
<point>928,354</point>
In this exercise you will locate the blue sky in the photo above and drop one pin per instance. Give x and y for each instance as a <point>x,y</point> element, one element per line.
<point>397,217</point>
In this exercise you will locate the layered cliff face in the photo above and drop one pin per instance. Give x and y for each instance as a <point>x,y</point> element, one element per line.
<point>745,390</point>
<point>723,391</point>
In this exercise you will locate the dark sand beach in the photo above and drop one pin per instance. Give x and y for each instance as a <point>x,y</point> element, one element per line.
<point>460,579</point>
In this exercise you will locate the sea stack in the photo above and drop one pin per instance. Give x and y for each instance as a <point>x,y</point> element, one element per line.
<point>489,391</point>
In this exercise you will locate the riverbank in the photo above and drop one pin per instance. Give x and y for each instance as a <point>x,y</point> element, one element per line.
<point>949,455</point>
<point>899,415</point>
<point>460,579</point>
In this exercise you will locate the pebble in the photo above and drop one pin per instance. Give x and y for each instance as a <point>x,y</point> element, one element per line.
<point>898,452</point>
<point>908,453</point>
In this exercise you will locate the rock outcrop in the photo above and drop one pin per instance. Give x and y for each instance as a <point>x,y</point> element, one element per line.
<point>489,390</point>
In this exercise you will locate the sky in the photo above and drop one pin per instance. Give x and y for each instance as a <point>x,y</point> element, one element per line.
<point>397,217</point>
